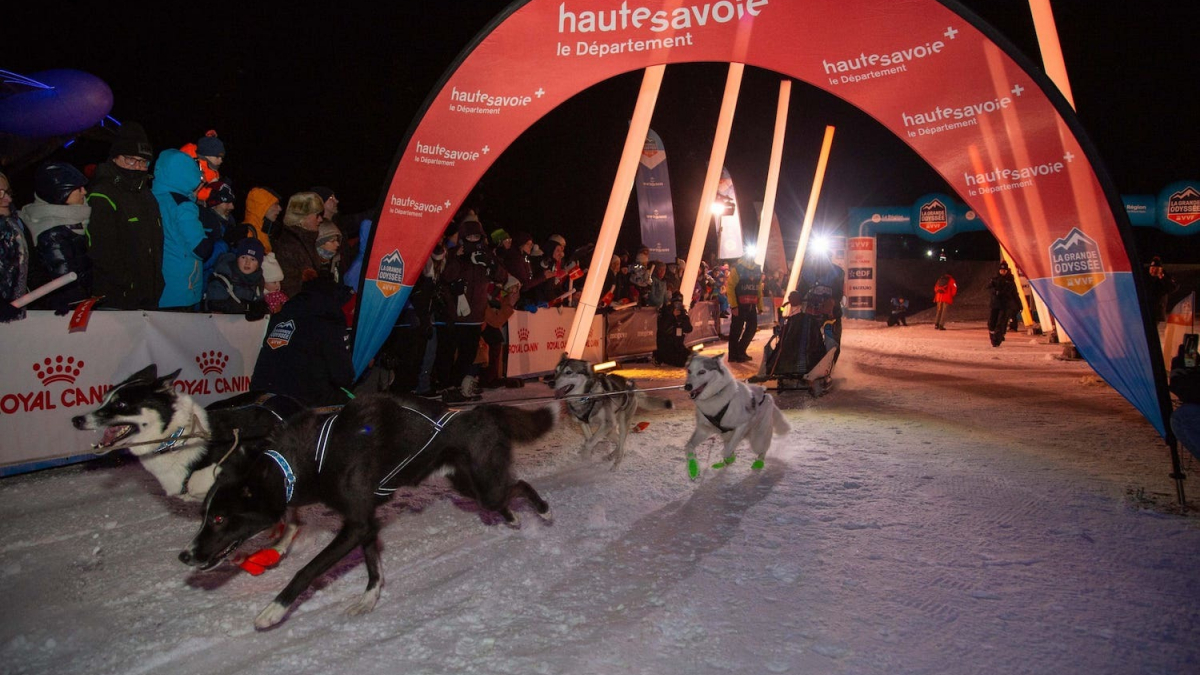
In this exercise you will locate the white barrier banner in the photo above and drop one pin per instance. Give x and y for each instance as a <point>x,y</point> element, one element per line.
<point>536,340</point>
<point>49,375</point>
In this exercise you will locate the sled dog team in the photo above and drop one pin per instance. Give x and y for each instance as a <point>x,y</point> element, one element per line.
<point>255,458</point>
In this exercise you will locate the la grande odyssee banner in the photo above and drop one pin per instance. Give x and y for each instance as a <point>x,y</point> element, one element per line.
<point>984,118</point>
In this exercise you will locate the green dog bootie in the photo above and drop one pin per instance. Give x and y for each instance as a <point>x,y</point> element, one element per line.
<point>725,462</point>
<point>757,465</point>
<point>693,466</point>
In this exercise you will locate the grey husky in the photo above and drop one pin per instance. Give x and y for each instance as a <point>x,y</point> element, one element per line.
<point>731,408</point>
<point>603,404</point>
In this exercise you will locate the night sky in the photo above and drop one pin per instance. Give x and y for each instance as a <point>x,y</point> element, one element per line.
<point>303,98</point>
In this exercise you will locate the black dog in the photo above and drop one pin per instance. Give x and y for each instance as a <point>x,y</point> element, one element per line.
<point>354,461</point>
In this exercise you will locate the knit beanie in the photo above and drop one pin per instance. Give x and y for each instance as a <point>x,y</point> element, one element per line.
<point>559,238</point>
<point>55,181</point>
<point>327,232</point>
<point>209,145</point>
<point>220,192</point>
<point>131,141</point>
<point>470,225</point>
<point>499,236</point>
<point>324,192</point>
<point>252,247</point>
<point>271,269</point>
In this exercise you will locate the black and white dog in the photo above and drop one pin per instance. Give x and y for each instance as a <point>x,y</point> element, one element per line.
<point>603,404</point>
<point>179,441</point>
<point>355,461</point>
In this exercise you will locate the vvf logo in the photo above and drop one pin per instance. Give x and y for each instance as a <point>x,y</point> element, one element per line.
<point>933,216</point>
<point>1183,207</point>
<point>390,276</point>
<point>1076,263</point>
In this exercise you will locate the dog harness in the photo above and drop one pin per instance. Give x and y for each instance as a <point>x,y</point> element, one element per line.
<point>438,425</point>
<point>171,441</point>
<point>289,478</point>
<point>715,420</point>
<point>323,440</point>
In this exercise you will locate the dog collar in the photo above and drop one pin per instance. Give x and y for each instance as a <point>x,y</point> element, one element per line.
<point>289,478</point>
<point>171,441</point>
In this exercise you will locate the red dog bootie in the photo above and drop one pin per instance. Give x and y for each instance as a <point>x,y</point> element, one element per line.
<point>260,561</point>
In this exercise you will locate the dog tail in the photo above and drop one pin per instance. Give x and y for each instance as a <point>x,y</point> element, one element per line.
<point>780,423</point>
<point>523,425</point>
<point>654,402</point>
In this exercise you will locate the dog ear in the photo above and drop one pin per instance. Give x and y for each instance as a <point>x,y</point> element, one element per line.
<point>147,374</point>
<point>165,382</point>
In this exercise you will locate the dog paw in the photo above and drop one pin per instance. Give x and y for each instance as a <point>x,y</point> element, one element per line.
<point>271,615</point>
<point>515,523</point>
<point>365,603</point>
<point>547,517</point>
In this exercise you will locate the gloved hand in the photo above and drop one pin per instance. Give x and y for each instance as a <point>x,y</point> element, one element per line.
<point>257,310</point>
<point>8,312</point>
<point>60,306</point>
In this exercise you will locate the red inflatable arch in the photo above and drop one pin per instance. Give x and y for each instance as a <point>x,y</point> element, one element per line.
<point>993,126</point>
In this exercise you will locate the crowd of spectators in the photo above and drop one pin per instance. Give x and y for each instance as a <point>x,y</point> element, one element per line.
<point>147,231</point>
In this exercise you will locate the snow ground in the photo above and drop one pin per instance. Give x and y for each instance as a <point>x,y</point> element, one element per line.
<point>948,508</point>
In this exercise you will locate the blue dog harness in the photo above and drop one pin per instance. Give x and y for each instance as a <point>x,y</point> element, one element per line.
<point>289,478</point>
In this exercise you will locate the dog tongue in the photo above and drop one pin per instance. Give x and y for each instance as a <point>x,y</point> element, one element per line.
<point>561,391</point>
<point>112,434</point>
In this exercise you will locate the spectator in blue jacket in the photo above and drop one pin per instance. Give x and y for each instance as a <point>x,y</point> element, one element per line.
<point>185,246</point>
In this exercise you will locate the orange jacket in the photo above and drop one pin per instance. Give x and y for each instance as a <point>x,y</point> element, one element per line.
<point>258,200</point>
<point>945,292</point>
<point>210,174</point>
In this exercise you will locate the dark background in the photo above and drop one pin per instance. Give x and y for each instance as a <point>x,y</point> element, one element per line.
<point>303,97</point>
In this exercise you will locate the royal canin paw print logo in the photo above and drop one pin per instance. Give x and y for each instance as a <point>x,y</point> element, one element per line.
<point>212,362</point>
<point>560,332</point>
<point>523,334</point>
<point>58,369</point>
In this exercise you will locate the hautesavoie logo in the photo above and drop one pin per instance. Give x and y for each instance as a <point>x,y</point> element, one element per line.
<point>1076,263</point>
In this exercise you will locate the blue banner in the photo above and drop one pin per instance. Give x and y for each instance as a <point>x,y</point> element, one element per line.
<point>654,200</point>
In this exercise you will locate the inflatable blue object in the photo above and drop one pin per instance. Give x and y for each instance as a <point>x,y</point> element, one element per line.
<point>52,103</point>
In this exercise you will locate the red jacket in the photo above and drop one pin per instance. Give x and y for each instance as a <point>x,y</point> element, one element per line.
<point>945,292</point>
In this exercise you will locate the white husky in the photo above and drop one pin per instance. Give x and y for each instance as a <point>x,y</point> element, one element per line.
<point>731,408</point>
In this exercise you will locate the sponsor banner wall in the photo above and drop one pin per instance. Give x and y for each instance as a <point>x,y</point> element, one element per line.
<point>860,277</point>
<point>986,119</point>
<point>631,332</point>
<point>655,208</point>
<point>49,375</point>
<point>704,316</point>
<point>536,340</point>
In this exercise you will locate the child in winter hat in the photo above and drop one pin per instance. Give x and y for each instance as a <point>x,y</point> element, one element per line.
<point>329,240</point>
<point>272,278</point>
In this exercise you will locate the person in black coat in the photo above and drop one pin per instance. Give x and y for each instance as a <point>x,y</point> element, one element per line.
<point>125,235</point>
<point>1004,300</point>
<point>673,324</point>
<point>304,354</point>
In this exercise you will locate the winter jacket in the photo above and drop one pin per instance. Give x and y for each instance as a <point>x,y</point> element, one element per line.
<point>125,238</point>
<point>304,353</point>
<point>1002,292</point>
<point>258,200</point>
<point>945,289</point>
<point>231,291</point>
<point>471,269</point>
<point>60,236</point>
<point>14,260</point>
<point>744,285</point>
<point>670,336</point>
<point>822,285</point>
<point>215,243</point>
<point>175,179</point>
<point>209,174</point>
<point>296,251</point>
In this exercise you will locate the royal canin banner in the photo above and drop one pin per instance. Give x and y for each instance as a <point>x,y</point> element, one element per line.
<point>984,117</point>
<point>657,213</point>
<point>537,340</point>
<point>50,375</point>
